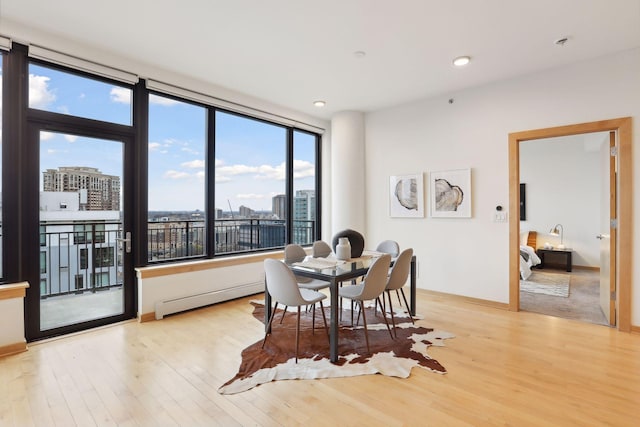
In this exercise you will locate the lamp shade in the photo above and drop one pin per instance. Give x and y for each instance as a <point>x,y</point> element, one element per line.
<point>558,230</point>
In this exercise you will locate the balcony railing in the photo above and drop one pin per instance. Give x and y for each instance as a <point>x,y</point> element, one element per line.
<point>87,257</point>
<point>169,240</point>
<point>78,258</point>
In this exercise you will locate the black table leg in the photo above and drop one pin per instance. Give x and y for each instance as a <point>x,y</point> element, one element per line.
<point>333,328</point>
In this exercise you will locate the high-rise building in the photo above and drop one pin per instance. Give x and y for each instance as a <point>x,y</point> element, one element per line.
<point>279,206</point>
<point>245,212</point>
<point>97,191</point>
<point>304,216</point>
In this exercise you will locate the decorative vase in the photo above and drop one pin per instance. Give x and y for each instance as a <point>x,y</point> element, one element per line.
<point>343,249</point>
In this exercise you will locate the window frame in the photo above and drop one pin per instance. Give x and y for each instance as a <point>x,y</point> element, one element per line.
<point>210,186</point>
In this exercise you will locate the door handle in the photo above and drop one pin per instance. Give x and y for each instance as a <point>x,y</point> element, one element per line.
<point>126,241</point>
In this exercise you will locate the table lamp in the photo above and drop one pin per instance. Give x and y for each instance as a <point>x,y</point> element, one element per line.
<point>558,230</point>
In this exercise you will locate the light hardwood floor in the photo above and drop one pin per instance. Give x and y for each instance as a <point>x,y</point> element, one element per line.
<point>505,368</point>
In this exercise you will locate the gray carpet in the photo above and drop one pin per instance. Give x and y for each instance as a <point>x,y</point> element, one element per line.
<point>541,282</point>
<point>582,303</point>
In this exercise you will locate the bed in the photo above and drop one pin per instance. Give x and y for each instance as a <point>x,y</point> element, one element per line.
<point>528,256</point>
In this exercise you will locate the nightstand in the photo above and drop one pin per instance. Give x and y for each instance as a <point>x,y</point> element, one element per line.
<point>566,253</point>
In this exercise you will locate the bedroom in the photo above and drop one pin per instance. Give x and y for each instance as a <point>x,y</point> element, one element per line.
<point>562,185</point>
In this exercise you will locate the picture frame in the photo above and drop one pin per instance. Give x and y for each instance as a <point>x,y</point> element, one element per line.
<point>406,196</point>
<point>450,192</point>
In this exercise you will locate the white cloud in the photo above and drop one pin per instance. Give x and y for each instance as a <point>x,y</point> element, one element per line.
<point>201,175</point>
<point>45,136</point>
<point>39,94</point>
<point>194,164</point>
<point>161,100</point>
<point>70,138</point>
<point>121,95</point>
<point>252,196</point>
<point>303,169</point>
<point>220,179</point>
<point>171,174</point>
<point>189,150</point>
<point>153,146</point>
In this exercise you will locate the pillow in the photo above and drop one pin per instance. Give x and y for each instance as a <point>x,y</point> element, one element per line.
<point>524,237</point>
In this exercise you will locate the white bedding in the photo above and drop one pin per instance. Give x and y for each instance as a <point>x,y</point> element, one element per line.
<point>525,265</point>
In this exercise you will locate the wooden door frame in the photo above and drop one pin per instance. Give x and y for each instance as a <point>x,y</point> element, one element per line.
<point>623,127</point>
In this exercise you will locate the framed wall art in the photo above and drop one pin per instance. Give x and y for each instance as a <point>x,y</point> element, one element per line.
<point>450,193</point>
<point>406,196</point>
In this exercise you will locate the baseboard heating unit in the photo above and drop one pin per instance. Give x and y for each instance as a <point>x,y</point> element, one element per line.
<point>190,302</point>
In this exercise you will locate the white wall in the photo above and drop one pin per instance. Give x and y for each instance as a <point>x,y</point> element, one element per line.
<point>562,177</point>
<point>470,256</point>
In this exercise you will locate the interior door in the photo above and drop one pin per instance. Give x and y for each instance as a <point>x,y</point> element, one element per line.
<point>85,248</point>
<point>607,234</point>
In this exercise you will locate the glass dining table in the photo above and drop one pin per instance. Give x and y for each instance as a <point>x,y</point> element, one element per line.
<point>336,271</point>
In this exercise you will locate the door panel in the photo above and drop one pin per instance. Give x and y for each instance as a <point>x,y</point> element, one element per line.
<point>607,234</point>
<point>83,254</point>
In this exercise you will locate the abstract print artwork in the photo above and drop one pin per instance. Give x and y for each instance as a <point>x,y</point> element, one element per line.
<point>451,193</point>
<point>406,196</point>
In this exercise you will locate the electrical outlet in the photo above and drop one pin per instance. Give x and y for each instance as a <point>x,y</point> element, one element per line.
<point>500,216</point>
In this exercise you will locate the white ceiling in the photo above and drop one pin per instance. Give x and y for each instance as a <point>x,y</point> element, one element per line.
<point>292,52</point>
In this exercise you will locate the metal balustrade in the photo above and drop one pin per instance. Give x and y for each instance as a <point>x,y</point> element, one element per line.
<point>87,257</point>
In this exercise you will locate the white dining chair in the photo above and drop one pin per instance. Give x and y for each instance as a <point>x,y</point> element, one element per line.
<point>321,249</point>
<point>369,289</point>
<point>396,281</point>
<point>390,247</point>
<point>284,289</point>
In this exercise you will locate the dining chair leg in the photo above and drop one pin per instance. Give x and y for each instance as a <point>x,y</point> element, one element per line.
<point>384,316</point>
<point>283,313</point>
<point>364,320</point>
<point>326,329</point>
<point>393,320</point>
<point>297,334</point>
<point>407,306</point>
<point>273,313</point>
<point>313,320</point>
<point>398,294</point>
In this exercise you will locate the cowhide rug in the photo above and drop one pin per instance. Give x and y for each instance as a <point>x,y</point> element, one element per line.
<point>392,357</point>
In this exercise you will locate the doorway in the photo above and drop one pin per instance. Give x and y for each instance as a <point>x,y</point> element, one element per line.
<point>563,179</point>
<point>84,249</point>
<point>624,218</point>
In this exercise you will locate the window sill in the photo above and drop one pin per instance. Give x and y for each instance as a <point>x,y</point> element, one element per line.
<point>191,266</point>
<point>13,290</point>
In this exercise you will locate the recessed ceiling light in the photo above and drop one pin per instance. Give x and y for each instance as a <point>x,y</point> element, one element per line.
<point>561,41</point>
<point>359,54</point>
<point>461,61</point>
<point>319,104</point>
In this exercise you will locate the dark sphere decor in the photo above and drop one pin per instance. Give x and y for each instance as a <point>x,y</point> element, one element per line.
<point>356,240</point>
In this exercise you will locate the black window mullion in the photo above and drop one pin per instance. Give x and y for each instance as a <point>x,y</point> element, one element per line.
<point>318,184</point>
<point>289,187</point>
<point>140,231</point>
<point>210,184</point>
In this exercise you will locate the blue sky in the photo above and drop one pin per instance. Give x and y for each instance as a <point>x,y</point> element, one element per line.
<point>249,154</point>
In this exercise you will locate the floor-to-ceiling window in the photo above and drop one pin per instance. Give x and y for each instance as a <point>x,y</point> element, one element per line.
<point>261,176</point>
<point>304,187</point>
<point>104,174</point>
<point>250,170</point>
<point>176,179</point>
